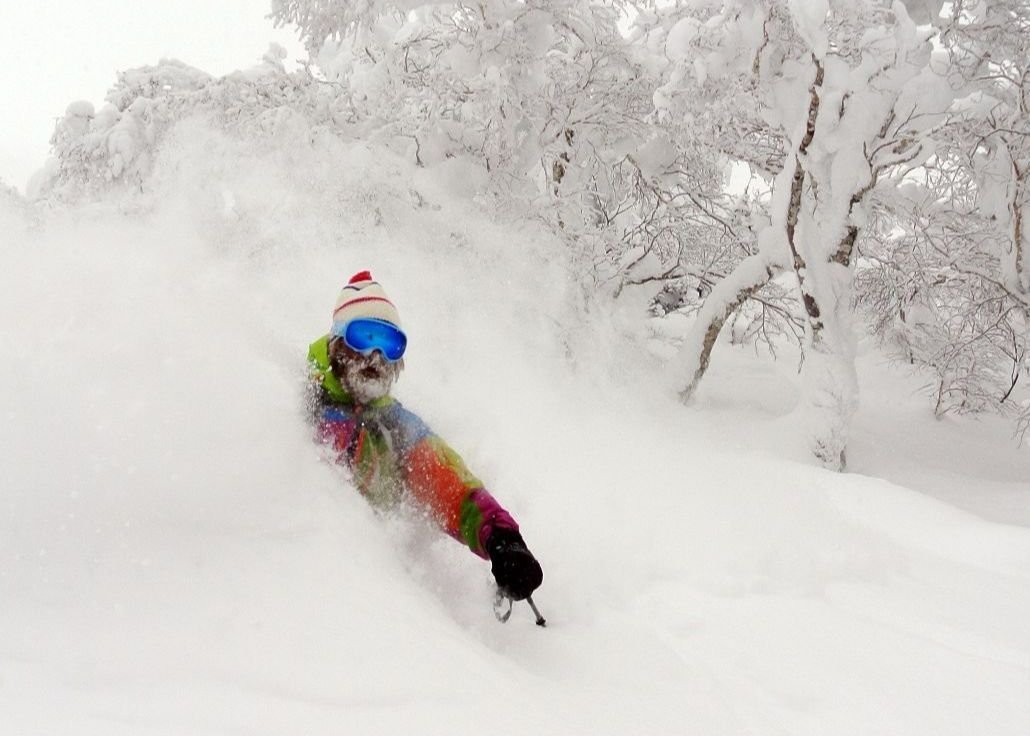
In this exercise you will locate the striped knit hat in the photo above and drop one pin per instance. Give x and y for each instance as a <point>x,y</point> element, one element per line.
<point>363,298</point>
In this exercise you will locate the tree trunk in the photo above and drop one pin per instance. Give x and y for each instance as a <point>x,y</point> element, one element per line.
<point>1018,268</point>
<point>829,379</point>
<point>726,297</point>
<point>830,389</point>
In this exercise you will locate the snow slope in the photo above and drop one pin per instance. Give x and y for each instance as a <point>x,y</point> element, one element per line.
<point>175,558</point>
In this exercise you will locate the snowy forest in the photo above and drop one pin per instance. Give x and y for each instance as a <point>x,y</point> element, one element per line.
<point>795,170</point>
<point>648,253</point>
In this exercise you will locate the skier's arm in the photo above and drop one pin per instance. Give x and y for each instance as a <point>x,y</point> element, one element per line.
<point>438,481</point>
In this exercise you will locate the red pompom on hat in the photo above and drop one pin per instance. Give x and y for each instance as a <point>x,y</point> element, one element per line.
<point>363,298</point>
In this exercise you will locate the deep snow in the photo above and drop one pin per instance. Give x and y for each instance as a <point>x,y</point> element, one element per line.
<point>175,557</point>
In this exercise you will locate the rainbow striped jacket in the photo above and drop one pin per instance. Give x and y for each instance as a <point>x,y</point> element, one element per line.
<point>395,458</point>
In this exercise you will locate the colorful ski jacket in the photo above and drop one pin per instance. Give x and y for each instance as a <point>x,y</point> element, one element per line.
<point>394,457</point>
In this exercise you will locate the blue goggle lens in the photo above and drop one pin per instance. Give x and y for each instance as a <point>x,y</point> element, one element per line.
<point>367,335</point>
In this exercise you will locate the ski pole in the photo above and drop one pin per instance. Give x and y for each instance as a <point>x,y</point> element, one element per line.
<point>503,615</point>
<point>540,620</point>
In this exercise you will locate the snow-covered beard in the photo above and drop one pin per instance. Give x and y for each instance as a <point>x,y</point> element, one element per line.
<point>368,377</point>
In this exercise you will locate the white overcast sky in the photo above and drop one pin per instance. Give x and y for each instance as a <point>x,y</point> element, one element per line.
<point>58,51</point>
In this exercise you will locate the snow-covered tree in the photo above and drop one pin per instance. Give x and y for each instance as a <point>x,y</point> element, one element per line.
<point>989,46</point>
<point>497,81</point>
<point>832,102</point>
<point>931,289</point>
<point>541,95</point>
<point>554,103</point>
<point>113,148</point>
<point>947,283</point>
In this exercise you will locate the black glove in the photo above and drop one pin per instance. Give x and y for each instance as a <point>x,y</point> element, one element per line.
<point>515,569</point>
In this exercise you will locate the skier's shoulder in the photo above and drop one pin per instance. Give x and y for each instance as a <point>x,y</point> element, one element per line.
<point>322,382</point>
<point>318,353</point>
<point>393,410</point>
<point>402,419</point>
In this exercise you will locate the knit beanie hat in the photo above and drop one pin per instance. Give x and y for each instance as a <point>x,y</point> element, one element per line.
<point>363,298</point>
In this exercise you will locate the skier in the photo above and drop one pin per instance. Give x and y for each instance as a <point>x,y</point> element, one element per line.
<point>393,456</point>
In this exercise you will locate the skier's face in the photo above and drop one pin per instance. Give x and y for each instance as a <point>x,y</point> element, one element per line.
<point>365,377</point>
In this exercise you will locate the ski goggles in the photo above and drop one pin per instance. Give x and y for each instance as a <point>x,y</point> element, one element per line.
<point>367,335</point>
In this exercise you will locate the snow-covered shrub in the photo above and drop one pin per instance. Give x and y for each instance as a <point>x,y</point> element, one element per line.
<point>112,149</point>
<point>946,283</point>
<point>933,288</point>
